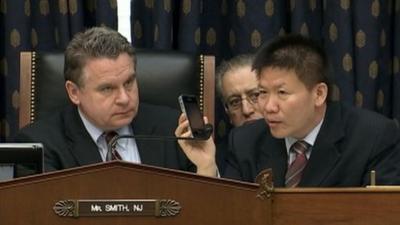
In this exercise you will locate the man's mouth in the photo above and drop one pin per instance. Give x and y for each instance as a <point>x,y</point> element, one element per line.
<point>273,123</point>
<point>123,113</point>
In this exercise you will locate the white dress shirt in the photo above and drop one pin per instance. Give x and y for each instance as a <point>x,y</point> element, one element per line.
<point>310,139</point>
<point>126,147</point>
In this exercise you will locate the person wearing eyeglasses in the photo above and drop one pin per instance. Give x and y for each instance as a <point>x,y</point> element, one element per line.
<point>237,85</point>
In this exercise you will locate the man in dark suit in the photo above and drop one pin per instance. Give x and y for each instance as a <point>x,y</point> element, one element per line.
<point>306,139</point>
<point>101,83</point>
<point>237,87</point>
<point>342,144</point>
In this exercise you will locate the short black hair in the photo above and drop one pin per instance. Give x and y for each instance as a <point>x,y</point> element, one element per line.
<point>298,53</point>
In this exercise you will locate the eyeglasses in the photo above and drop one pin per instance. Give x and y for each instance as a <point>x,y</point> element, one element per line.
<point>235,103</point>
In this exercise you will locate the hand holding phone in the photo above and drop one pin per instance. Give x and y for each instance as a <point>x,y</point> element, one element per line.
<point>200,148</point>
<point>190,107</point>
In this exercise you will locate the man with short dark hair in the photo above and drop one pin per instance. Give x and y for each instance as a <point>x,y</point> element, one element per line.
<point>100,79</point>
<point>306,139</point>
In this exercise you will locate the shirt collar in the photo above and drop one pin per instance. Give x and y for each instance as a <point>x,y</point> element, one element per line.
<point>95,132</point>
<point>310,138</point>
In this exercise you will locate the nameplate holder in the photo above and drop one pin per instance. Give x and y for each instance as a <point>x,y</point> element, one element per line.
<point>117,207</point>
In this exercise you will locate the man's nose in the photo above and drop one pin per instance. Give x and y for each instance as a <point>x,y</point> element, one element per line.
<point>247,107</point>
<point>122,95</point>
<point>271,104</point>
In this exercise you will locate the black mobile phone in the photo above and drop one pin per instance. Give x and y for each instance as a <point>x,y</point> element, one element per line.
<point>189,105</point>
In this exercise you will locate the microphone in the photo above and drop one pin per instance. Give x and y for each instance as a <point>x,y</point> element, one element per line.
<point>202,136</point>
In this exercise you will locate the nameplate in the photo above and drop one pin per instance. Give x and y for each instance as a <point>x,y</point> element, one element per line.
<point>126,207</point>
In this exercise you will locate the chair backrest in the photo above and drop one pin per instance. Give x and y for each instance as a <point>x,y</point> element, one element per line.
<point>162,77</point>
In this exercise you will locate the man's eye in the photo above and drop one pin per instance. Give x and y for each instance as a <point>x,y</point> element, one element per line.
<point>106,89</point>
<point>234,102</point>
<point>262,94</point>
<point>254,96</point>
<point>282,92</point>
<point>128,84</point>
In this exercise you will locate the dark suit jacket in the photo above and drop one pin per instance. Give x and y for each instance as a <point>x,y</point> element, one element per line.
<point>68,144</point>
<point>221,154</point>
<point>350,144</point>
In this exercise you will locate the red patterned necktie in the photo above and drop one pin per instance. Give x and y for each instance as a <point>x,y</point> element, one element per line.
<point>295,170</point>
<point>112,154</point>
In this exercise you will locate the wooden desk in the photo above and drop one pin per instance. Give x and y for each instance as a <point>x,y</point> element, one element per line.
<point>202,200</point>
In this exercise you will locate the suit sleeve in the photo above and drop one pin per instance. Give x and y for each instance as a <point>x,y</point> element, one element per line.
<point>232,168</point>
<point>385,158</point>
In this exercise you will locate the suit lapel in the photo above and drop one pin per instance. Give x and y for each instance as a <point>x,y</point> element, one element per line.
<point>80,144</point>
<point>273,155</point>
<point>324,155</point>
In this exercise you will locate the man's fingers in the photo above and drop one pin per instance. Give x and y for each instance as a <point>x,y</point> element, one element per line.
<point>182,129</point>
<point>182,118</point>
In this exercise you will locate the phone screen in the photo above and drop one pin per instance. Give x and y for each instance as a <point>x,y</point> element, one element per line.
<point>191,108</point>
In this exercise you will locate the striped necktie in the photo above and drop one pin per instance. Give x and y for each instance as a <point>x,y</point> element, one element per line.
<point>112,154</point>
<point>295,170</point>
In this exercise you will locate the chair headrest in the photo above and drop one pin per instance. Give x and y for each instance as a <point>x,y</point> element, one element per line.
<point>162,76</point>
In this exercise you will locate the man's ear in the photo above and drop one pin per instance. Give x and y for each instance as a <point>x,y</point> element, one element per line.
<point>321,93</point>
<point>73,92</point>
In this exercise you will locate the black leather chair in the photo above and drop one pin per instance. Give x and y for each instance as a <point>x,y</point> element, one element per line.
<point>162,77</point>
